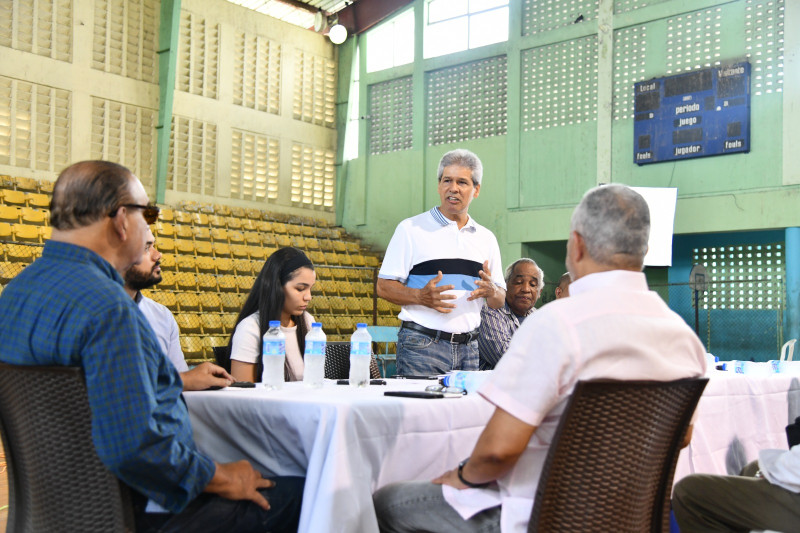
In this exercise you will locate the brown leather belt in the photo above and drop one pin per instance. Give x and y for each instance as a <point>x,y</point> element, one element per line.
<point>453,338</point>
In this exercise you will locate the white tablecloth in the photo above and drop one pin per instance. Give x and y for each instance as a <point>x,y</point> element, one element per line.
<point>346,442</point>
<point>737,416</point>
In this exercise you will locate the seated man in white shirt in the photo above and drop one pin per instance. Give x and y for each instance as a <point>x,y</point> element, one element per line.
<point>144,275</point>
<point>611,327</point>
<point>766,496</point>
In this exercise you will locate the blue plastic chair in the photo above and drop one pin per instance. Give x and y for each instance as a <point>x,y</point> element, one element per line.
<point>386,360</point>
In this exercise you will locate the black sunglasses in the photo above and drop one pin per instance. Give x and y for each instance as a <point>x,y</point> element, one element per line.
<point>149,212</point>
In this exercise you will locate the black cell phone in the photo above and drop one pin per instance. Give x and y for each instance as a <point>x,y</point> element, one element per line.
<point>243,384</point>
<point>371,382</point>
<point>428,395</point>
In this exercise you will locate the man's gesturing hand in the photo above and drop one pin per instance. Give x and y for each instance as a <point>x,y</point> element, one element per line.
<point>239,481</point>
<point>431,296</point>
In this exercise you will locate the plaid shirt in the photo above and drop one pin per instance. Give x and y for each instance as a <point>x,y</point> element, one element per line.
<point>69,308</point>
<point>497,327</point>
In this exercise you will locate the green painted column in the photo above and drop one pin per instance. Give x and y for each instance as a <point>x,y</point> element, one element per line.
<point>167,65</point>
<point>791,317</point>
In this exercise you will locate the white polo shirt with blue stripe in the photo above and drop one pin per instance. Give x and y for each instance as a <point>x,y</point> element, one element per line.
<point>430,242</point>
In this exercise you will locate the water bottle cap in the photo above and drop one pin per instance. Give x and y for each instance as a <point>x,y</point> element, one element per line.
<point>316,324</point>
<point>361,325</point>
<point>274,323</point>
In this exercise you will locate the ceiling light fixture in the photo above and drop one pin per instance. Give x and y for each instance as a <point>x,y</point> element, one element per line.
<point>337,34</point>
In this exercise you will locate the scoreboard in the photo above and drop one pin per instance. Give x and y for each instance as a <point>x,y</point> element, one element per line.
<point>696,114</point>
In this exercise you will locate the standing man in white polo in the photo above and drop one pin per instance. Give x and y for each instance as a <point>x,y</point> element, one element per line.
<point>439,267</point>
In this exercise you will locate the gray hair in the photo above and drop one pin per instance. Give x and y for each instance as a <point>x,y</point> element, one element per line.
<point>87,191</point>
<point>462,158</point>
<point>512,266</point>
<point>614,221</point>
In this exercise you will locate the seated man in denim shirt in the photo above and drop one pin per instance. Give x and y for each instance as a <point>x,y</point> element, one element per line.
<point>69,308</point>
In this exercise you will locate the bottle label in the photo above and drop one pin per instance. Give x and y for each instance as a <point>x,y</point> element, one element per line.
<point>315,347</point>
<point>360,348</point>
<point>274,347</point>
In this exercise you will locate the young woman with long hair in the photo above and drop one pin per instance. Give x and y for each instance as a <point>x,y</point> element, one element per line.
<point>282,291</point>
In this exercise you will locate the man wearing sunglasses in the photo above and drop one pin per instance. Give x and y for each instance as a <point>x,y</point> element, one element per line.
<point>69,308</point>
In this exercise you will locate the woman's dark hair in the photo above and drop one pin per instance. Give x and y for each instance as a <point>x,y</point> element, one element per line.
<point>267,298</point>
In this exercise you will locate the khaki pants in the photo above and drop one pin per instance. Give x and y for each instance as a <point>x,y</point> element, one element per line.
<point>704,503</point>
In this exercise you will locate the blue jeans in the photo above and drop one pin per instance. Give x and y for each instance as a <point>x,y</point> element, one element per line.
<point>421,355</point>
<point>209,512</point>
<point>420,506</point>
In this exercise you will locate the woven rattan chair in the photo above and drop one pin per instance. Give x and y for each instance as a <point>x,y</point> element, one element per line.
<point>56,481</point>
<point>611,462</point>
<point>337,362</point>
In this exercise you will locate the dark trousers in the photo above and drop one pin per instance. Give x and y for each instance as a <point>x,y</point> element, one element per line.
<point>210,513</point>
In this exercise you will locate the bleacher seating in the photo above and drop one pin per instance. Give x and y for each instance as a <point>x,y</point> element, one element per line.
<point>210,257</point>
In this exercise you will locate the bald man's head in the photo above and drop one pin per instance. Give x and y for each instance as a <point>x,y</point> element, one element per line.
<point>88,191</point>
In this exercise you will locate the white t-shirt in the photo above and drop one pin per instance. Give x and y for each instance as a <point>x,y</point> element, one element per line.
<point>246,345</point>
<point>610,327</point>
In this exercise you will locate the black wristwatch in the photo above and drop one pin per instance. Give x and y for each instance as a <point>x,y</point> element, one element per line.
<point>469,483</point>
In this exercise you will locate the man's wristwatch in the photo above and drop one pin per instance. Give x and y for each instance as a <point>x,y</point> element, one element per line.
<point>464,481</point>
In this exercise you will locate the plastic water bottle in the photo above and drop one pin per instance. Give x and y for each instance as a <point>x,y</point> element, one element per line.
<point>314,356</point>
<point>273,356</point>
<point>360,355</point>
<point>465,379</point>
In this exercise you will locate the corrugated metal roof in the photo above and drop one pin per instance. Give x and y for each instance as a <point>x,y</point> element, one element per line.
<point>289,13</point>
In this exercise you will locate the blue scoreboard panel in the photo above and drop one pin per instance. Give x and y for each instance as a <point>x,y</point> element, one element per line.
<point>697,114</point>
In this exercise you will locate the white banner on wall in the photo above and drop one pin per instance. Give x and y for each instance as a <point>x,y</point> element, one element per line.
<point>662,202</point>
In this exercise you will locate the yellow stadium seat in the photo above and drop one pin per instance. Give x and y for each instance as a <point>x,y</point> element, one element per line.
<point>323,272</point>
<point>8,270</point>
<point>186,281</point>
<point>186,263</point>
<point>212,323</point>
<point>168,261</point>
<point>227,283</point>
<point>337,305</point>
<point>243,267</point>
<point>322,286</point>
<point>388,321</point>
<point>206,282</point>
<point>165,245</point>
<point>192,347</point>
<point>210,302</point>
<point>45,232</point>
<point>205,264</point>
<point>367,304</point>
<point>165,298</point>
<point>293,229</point>
<point>221,249</point>
<point>257,253</point>
<point>190,205</point>
<point>224,265</point>
<point>166,215</point>
<point>320,304</point>
<point>212,341</point>
<point>222,210</point>
<point>339,246</point>
<point>12,197</point>
<point>168,280</point>
<point>182,217</point>
<point>239,250</point>
<point>372,261</point>
<point>203,248</point>
<point>249,225</point>
<point>230,302</point>
<point>219,234</point>
<point>10,214</point>
<point>352,306</point>
<point>344,288</point>
<point>229,321</point>
<point>269,240</point>
<point>46,186</point>
<point>235,237</point>
<point>361,289</point>
<point>201,233</point>
<point>308,231</point>
<point>253,214</point>
<point>264,226</point>
<point>283,240</point>
<point>325,245</point>
<point>353,247</point>
<point>184,232</point>
<point>237,212</point>
<point>26,184</point>
<point>199,219</point>
<point>358,260</point>
<point>188,322</point>
<point>245,283</point>
<point>311,243</point>
<point>298,241</point>
<point>18,253</point>
<point>252,237</point>
<point>188,301</point>
<point>217,221</point>
<point>234,222</point>
<point>330,258</point>
<point>183,246</point>
<point>279,227</point>
<point>164,229</point>
<point>24,232</point>
<point>344,259</point>
<point>38,200</point>
<point>5,231</point>
<point>339,273</point>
